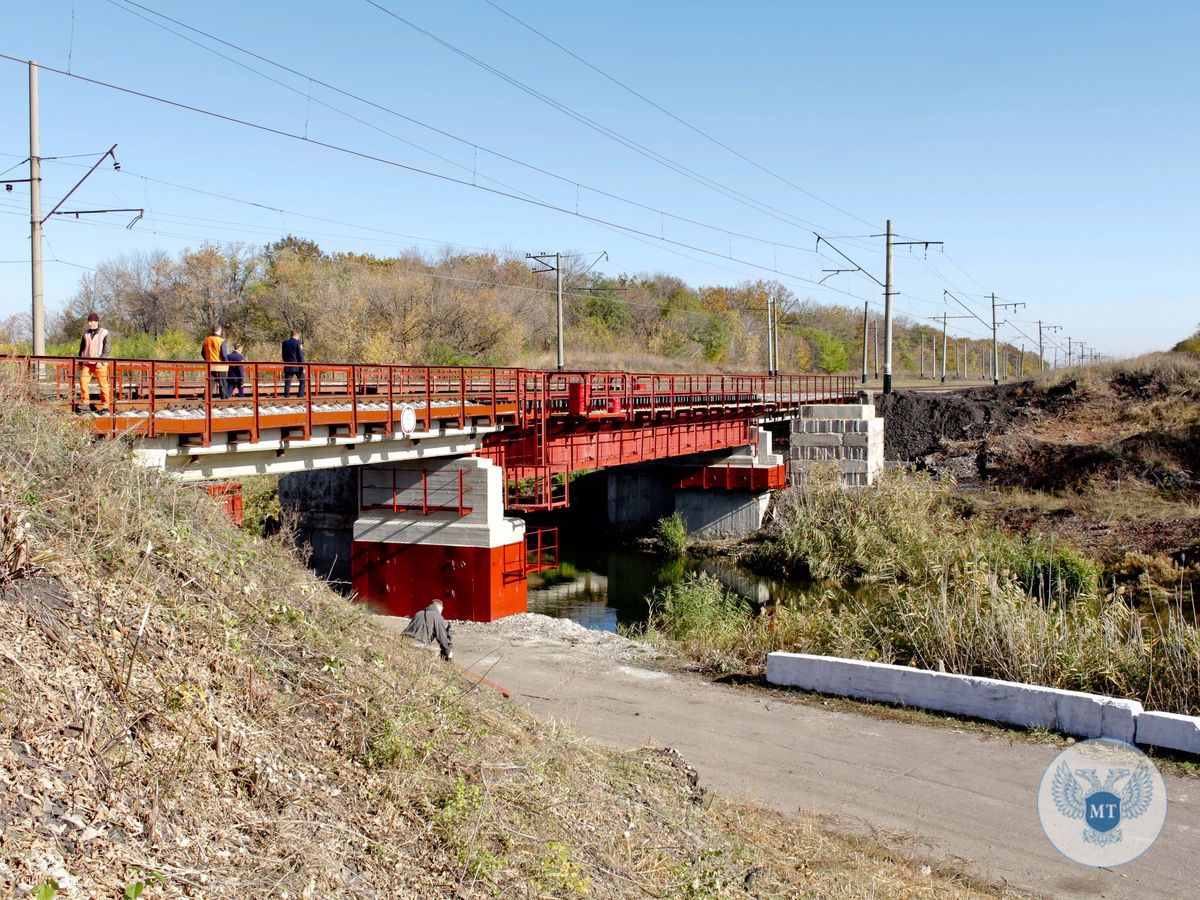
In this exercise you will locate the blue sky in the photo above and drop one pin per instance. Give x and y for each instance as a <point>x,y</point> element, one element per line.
<point>1052,146</point>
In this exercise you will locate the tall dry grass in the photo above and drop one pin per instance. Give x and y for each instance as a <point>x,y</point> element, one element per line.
<point>908,581</point>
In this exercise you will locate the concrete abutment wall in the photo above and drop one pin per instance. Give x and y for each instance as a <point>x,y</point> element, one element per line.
<point>846,437</point>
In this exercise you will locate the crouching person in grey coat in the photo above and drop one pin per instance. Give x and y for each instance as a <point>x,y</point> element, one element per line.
<point>428,626</point>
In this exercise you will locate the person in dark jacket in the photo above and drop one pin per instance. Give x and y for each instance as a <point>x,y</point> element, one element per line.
<point>236,378</point>
<point>293,352</point>
<point>428,626</point>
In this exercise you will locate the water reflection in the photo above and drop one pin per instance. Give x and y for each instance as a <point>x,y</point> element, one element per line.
<point>602,586</point>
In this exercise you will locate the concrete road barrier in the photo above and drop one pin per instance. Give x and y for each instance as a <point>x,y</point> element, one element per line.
<point>1030,706</point>
<point>1170,731</point>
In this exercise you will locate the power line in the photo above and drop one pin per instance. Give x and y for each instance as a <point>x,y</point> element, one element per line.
<point>385,265</point>
<point>967,308</point>
<point>294,213</point>
<point>153,229</point>
<point>612,134</point>
<point>370,157</point>
<point>672,115</point>
<point>122,4</point>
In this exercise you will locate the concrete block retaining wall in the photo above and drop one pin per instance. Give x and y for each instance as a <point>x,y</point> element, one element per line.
<point>848,437</point>
<point>1030,706</point>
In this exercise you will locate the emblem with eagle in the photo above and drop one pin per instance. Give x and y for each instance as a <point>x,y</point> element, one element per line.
<point>1102,805</point>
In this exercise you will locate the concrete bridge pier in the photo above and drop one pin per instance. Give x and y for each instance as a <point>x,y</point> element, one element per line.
<point>325,505</point>
<point>718,495</point>
<point>437,529</point>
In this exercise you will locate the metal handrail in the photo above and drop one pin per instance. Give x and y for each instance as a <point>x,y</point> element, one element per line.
<point>149,388</point>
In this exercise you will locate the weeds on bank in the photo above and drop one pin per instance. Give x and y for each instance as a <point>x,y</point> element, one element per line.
<point>910,582</point>
<point>671,534</point>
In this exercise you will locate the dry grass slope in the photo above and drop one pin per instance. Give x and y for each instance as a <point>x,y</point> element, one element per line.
<point>184,707</point>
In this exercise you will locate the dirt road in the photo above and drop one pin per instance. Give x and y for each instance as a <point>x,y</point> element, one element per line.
<point>942,793</point>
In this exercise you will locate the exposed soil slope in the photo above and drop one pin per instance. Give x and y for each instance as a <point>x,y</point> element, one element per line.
<point>1109,455</point>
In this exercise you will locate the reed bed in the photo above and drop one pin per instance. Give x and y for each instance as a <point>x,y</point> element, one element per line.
<point>903,578</point>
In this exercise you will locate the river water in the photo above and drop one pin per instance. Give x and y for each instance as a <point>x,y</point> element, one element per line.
<point>602,585</point>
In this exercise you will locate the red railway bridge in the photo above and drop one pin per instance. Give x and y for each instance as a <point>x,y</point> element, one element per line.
<point>444,450</point>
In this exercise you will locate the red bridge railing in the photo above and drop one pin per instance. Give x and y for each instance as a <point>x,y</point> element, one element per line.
<point>168,397</point>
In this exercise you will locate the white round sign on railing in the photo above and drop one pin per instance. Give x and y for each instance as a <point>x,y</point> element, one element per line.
<point>408,418</point>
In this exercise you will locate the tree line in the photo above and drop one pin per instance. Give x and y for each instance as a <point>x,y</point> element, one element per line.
<point>454,308</point>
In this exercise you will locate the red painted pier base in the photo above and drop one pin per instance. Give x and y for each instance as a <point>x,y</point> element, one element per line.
<point>436,529</point>
<point>473,583</point>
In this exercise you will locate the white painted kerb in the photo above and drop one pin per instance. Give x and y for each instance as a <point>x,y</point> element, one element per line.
<point>1169,730</point>
<point>1030,706</point>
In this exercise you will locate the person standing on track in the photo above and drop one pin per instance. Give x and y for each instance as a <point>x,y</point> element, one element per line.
<point>237,375</point>
<point>213,352</point>
<point>293,352</point>
<point>93,347</point>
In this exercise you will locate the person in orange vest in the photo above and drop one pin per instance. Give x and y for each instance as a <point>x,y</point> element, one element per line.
<point>213,351</point>
<point>93,347</point>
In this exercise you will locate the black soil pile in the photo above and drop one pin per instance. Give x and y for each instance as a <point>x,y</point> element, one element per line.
<point>918,423</point>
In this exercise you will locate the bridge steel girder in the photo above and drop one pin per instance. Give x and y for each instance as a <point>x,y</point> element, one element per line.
<point>599,445</point>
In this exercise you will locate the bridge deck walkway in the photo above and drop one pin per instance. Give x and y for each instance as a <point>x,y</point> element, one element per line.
<point>165,397</point>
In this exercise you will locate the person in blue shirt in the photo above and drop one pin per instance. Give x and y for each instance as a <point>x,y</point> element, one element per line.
<point>293,352</point>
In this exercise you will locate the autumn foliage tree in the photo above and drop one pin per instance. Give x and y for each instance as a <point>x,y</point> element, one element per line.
<point>458,308</point>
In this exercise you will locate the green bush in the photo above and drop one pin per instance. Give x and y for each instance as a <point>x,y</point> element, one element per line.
<point>261,510</point>
<point>701,615</point>
<point>671,534</point>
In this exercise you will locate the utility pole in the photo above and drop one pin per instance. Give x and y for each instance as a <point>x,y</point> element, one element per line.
<point>875,336</point>
<point>866,303</point>
<point>922,357</point>
<point>1041,350</point>
<point>888,293</point>
<point>37,221</point>
<point>35,216</point>
<point>887,315</point>
<point>558,306</point>
<point>995,345</point>
<point>945,317</point>
<point>774,335</point>
<point>1021,363</point>
<point>943,348</point>
<point>1068,351</point>
<point>995,380</point>
<point>543,259</point>
<point>770,335</point>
